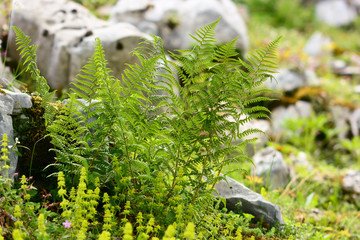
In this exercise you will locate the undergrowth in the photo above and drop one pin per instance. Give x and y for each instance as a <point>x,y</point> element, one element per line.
<point>134,159</point>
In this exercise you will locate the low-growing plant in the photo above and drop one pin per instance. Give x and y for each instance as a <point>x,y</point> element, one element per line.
<point>281,13</point>
<point>308,134</point>
<point>353,147</point>
<point>154,153</point>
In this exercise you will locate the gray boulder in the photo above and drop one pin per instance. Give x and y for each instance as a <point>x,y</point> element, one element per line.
<point>6,127</point>
<point>335,12</point>
<point>340,116</point>
<point>354,119</point>
<point>286,80</point>
<point>351,181</point>
<point>311,78</point>
<point>341,67</point>
<point>10,103</point>
<point>21,100</point>
<point>300,159</point>
<point>346,120</point>
<point>174,20</point>
<point>300,109</point>
<point>241,199</point>
<point>65,33</point>
<point>271,166</point>
<point>317,45</point>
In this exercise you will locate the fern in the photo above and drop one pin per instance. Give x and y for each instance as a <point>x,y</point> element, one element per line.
<point>147,143</point>
<point>28,52</point>
<point>216,90</point>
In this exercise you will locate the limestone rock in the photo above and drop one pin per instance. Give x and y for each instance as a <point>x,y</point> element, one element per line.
<point>65,33</point>
<point>10,103</point>
<point>117,39</point>
<point>311,78</point>
<point>241,199</point>
<point>21,100</point>
<point>351,181</point>
<point>270,164</point>
<point>354,120</point>
<point>279,115</point>
<point>300,159</point>
<point>174,20</point>
<point>335,12</point>
<point>340,115</point>
<point>286,80</point>
<point>317,45</point>
<point>342,68</point>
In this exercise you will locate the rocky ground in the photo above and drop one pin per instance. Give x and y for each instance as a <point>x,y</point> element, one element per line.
<point>306,167</point>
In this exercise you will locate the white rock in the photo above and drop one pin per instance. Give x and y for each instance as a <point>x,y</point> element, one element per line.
<point>354,120</point>
<point>317,45</point>
<point>340,116</point>
<point>174,20</point>
<point>335,12</point>
<point>311,78</point>
<point>270,165</point>
<point>117,39</point>
<point>300,109</point>
<point>286,80</point>
<point>65,33</point>
<point>351,181</point>
<point>11,103</point>
<point>6,127</point>
<point>21,100</point>
<point>6,104</point>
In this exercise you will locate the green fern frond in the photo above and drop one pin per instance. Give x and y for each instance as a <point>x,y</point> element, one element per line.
<point>28,52</point>
<point>263,63</point>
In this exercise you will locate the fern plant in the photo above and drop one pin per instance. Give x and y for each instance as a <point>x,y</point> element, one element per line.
<point>161,151</point>
<point>28,54</point>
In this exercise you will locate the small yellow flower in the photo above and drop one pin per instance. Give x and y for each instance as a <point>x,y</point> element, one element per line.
<point>17,234</point>
<point>190,231</point>
<point>170,233</point>
<point>239,234</point>
<point>105,235</point>
<point>1,237</point>
<point>128,231</point>
<point>17,211</point>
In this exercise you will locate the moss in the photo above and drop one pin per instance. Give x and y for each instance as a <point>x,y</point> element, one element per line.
<point>34,147</point>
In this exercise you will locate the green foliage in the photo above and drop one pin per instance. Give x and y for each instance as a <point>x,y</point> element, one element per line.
<point>93,4</point>
<point>303,133</point>
<point>282,12</point>
<point>28,54</point>
<point>353,147</point>
<point>156,153</point>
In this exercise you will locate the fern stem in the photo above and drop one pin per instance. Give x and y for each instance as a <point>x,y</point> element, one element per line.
<point>32,155</point>
<point>175,175</point>
<point>198,186</point>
